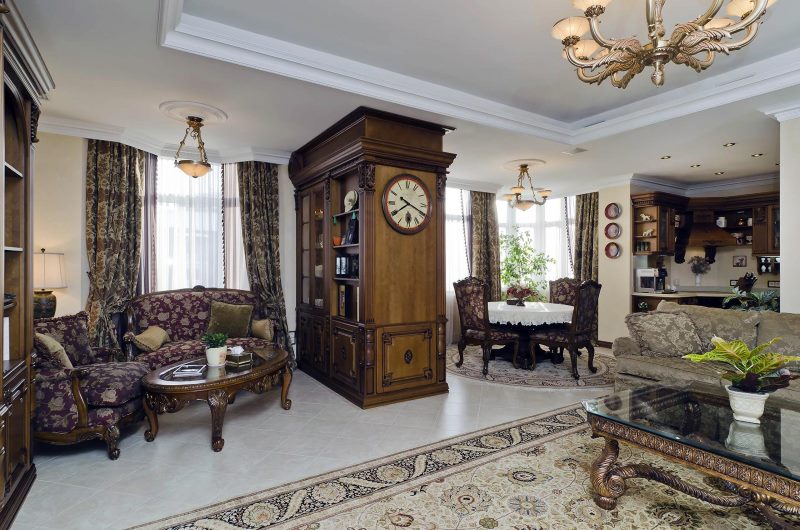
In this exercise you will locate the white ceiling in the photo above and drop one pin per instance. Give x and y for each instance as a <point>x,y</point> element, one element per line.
<point>111,73</point>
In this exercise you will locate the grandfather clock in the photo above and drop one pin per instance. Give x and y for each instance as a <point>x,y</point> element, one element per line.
<point>369,196</point>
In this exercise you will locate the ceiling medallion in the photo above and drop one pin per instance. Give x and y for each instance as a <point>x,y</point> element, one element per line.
<point>516,199</point>
<point>694,43</point>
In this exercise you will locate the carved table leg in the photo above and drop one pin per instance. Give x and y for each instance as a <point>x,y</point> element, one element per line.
<point>111,436</point>
<point>286,403</point>
<point>152,419</point>
<point>607,487</point>
<point>218,402</point>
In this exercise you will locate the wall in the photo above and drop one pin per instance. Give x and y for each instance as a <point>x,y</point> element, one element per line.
<point>288,242</point>
<point>615,275</point>
<point>58,212</point>
<point>790,216</point>
<point>722,271</point>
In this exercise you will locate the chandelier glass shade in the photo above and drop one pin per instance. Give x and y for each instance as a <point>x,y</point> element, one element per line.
<point>516,199</point>
<point>695,43</point>
<point>193,168</point>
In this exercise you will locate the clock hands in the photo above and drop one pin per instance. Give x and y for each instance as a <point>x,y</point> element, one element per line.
<point>409,204</point>
<point>394,212</point>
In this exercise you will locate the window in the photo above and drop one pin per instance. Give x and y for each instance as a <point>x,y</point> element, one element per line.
<point>547,228</point>
<point>190,231</point>
<point>456,264</point>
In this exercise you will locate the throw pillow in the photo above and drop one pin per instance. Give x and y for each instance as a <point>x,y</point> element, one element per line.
<point>53,350</point>
<point>785,326</point>
<point>231,319</point>
<point>664,334</point>
<point>151,339</point>
<point>262,329</point>
<point>714,322</point>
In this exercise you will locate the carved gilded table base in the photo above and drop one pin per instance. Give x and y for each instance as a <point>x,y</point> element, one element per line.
<point>766,492</point>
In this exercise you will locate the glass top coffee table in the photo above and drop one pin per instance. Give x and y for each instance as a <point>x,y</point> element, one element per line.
<point>693,425</point>
<point>165,392</point>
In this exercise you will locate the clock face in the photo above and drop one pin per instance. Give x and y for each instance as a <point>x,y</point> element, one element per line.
<point>407,204</point>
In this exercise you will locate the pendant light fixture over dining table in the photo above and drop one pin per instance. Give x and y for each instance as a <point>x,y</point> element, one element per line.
<point>518,198</point>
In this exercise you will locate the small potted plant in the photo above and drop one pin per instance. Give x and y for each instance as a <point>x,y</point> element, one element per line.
<point>216,348</point>
<point>753,374</point>
<point>517,294</point>
<point>699,266</point>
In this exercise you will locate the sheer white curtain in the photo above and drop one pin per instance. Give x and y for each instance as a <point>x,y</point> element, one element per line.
<point>456,262</point>
<point>235,267</point>
<point>549,226</point>
<point>189,238</point>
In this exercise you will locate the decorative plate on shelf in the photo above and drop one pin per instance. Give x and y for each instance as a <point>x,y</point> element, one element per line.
<point>613,231</point>
<point>350,200</point>
<point>613,250</point>
<point>613,210</point>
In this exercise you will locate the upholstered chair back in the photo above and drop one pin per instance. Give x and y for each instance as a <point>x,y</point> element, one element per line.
<point>72,332</point>
<point>585,310</point>
<point>472,297</point>
<point>564,291</point>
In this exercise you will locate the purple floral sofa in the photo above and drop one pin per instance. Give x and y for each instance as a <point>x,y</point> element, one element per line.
<point>184,314</point>
<point>92,399</point>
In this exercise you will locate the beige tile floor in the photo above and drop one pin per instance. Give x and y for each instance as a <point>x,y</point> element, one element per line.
<point>78,487</point>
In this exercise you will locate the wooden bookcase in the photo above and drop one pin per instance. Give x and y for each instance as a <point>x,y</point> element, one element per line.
<point>370,313</point>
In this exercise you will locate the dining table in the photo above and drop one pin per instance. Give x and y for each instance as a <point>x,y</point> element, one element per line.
<point>523,320</point>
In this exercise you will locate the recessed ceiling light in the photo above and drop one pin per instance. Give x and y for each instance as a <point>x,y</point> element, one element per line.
<point>757,155</point>
<point>719,173</point>
<point>666,157</point>
<point>729,144</point>
<point>695,165</point>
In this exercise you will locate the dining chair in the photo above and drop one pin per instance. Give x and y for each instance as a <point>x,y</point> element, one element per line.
<point>472,297</point>
<point>563,291</point>
<point>578,333</point>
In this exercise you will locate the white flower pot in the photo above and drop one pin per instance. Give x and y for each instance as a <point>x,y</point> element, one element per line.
<point>746,406</point>
<point>216,356</point>
<point>746,438</point>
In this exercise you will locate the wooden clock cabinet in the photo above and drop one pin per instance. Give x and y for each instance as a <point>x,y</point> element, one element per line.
<point>370,292</point>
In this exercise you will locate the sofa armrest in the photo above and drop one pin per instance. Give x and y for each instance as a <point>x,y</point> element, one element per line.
<point>53,376</point>
<point>625,346</point>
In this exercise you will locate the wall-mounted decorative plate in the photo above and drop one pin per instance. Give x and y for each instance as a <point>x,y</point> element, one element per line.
<point>613,210</point>
<point>613,250</point>
<point>613,231</point>
<point>350,200</point>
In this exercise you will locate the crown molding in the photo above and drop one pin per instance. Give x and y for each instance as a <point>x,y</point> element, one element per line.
<point>783,114</point>
<point>701,188</point>
<point>207,38</point>
<point>21,50</point>
<point>97,131</point>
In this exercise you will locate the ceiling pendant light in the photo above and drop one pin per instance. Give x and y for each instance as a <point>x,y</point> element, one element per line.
<point>694,43</point>
<point>193,168</point>
<point>538,195</point>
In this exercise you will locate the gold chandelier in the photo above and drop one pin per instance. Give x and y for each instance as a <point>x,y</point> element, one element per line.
<point>538,195</point>
<point>193,168</point>
<point>694,43</point>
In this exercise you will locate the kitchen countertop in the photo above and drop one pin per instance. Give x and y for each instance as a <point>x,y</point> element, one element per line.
<point>686,294</point>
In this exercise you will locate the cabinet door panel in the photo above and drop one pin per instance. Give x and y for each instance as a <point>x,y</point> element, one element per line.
<point>16,422</point>
<point>345,355</point>
<point>406,357</point>
<point>318,343</point>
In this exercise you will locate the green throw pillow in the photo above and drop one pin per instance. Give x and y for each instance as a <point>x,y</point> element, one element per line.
<point>262,329</point>
<point>53,350</point>
<point>151,339</point>
<point>230,319</point>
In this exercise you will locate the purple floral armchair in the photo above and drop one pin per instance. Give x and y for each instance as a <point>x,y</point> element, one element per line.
<point>92,399</point>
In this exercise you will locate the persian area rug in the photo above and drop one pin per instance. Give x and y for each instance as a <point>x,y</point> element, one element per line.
<point>530,474</point>
<point>546,374</point>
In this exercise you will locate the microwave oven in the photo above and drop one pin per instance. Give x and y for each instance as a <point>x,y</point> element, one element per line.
<point>646,280</point>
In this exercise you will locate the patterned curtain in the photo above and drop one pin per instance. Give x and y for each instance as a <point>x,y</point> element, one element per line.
<point>587,210</point>
<point>114,176</point>
<point>485,241</point>
<point>258,198</point>
<point>147,274</point>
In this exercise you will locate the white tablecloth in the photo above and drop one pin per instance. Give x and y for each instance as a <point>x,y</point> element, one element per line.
<point>533,314</point>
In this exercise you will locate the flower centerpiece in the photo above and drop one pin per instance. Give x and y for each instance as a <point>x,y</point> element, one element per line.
<point>216,348</point>
<point>753,374</point>
<point>517,294</point>
<point>699,266</point>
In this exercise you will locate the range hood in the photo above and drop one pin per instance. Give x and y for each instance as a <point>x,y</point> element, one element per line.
<point>704,233</point>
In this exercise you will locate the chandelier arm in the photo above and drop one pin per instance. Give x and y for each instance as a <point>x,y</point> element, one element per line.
<point>577,61</point>
<point>598,78</point>
<point>180,146</point>
<point>655,20</point>
<point>703,19</point>
<point>754,15</point>
<point>594,27</point>
<point>752,31</point>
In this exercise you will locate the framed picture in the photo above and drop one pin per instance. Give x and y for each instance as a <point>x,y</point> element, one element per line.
<point>734,283</point>
<point>775,284</point>
<point>740,261</point>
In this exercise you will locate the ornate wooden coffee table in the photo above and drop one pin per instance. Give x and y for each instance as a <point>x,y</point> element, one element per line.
<point>756,465</point>
<point>217,387</point>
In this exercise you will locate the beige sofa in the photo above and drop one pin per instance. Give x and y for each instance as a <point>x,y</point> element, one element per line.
<point>653,351</point>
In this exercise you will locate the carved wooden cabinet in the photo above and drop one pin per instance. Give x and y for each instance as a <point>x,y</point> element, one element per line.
<point>767,230</point>
<point>370,314</point>
<point>656,221</point>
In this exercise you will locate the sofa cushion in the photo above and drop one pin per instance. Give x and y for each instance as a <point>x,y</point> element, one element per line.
<point>184,314</point>
<point>712,322</point>
<point>150,339</point>
<point>54,408</point>
<point>783,325</point>
<point>52,350</point>
<point>231,319</point>
<point>662,334</point>
<point>190,349</point>
<point>72,332</point>
<point>668,370</point>
<point>263,329</point>
<point>112,384</point>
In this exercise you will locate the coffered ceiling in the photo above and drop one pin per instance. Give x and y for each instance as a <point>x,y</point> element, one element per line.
<point>284,71</point>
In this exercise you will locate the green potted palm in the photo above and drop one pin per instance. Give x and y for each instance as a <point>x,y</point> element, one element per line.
<point>753,374</point>
<point>216,348</point>
<point>522,268</point>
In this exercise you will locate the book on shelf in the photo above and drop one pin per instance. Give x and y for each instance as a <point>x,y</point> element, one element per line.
<point>343,301</point>
<point>351,236</point>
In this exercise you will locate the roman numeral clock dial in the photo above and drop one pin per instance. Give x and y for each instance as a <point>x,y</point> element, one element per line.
<point>406,204</point>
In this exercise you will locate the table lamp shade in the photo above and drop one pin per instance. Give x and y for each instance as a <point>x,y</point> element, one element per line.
<point>48,271</point>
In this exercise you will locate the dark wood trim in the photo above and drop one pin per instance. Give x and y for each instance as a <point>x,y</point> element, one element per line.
<point>604,344</point>
<point>14,501</point>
